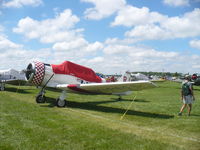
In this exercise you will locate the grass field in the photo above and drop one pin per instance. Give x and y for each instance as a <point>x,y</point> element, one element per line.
<point>93,122</point>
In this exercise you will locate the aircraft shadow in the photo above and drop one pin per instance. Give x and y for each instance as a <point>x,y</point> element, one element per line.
<point>141,100</point>
<point>129,100</point>
<point>95,107</point>
<point>196,89</point>
<point>195,115</point>
<point>17,90</point>
<point>52,101</point>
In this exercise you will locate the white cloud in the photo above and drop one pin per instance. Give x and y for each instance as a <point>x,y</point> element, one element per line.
<point>196,66</point>
<point>153,25</point>
<point>60,28</point>
<point>103,8</point>
<point>123,57</point>
<point>15,56</point>
<point>169,28</point>
<point>68,42</point>
<point>114,55</point>
<point>94,47</point>
<point>195,44</point>
<point>132,16</point>
<point>149,32</point>
<point>125,41</point>
<point>6,44</point>
<point>117,49</point>
<point>96,60</point>
<point>77,51</point>
<point>79,44</point>
<point>114,58</point>
<point>176,3</point>
<point>185,26</point>
<point>21,3</point>
<point>137,52</point>
<point>75,44</point>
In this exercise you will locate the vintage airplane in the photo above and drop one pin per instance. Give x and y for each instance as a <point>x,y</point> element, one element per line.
<point>71,77</point>
<point>11,76</point>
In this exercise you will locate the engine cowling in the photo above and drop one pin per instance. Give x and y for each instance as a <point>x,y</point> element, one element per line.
<point>35,72</point>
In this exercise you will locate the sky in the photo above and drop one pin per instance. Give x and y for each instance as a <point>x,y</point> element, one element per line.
<point>109,36</point>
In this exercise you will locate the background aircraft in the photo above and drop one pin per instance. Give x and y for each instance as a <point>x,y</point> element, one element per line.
<point>128,76</point>
<point>11,76</point>
<point>196,79</point>
<point>71,77</point>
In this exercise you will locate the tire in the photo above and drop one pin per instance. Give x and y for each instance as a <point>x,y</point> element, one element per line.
<point>61,103</point>
<point>40,99</point>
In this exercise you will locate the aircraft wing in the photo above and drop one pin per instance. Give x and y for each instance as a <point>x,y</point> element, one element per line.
<point>106,88</point>
<point>14,82</point>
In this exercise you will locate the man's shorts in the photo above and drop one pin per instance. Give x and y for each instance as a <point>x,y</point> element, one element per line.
<point>188,99</point>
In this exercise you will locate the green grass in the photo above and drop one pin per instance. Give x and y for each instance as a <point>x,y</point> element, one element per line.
<point>93,122</point>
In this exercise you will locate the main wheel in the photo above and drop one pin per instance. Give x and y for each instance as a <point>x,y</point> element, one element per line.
<point>61,103</point>
<point>40,99</point>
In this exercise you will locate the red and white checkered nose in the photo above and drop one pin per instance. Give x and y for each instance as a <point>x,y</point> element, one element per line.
<point>39,73</point>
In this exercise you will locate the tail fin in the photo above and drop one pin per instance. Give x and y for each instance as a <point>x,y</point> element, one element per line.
<point>126,77</point>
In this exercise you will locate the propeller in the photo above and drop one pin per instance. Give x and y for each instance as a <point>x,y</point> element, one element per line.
<point>29,71</point>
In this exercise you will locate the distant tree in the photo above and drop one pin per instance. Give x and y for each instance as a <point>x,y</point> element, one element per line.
<point>176,74</point>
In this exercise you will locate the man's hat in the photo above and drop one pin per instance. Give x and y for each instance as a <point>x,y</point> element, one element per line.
<point>187,77</point>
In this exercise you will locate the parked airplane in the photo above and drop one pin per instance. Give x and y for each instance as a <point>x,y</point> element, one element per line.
<point>11,76</point>
<point>196,79</point>
<point>71,77</point>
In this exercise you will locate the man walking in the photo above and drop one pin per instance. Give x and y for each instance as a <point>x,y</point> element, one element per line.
<point>187,95</point>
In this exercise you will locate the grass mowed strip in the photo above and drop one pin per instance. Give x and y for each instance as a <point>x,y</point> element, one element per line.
<point>93,122</point>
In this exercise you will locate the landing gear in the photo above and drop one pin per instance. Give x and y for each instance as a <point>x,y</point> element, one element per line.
<point>61,103</point>
<point>40,98</point>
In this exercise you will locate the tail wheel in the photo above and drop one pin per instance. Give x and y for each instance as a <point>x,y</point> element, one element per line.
<point>61,103</point>
<point>40,99</point>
